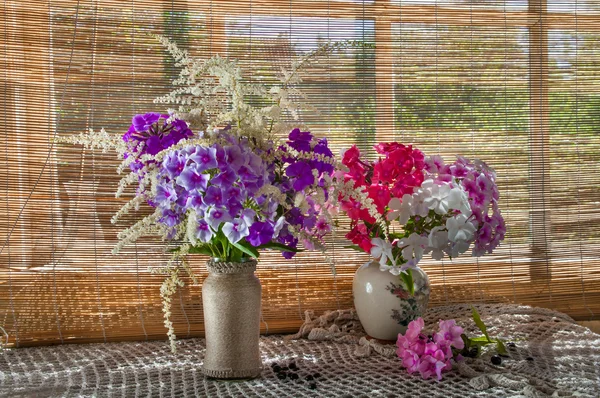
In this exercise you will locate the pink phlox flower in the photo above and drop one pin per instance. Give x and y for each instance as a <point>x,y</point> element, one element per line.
<point>414,329</point>
<point>433,364</point>
<point>450,331</point>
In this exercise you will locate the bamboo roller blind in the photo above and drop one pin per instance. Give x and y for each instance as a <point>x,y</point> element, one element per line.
<point>513,82</point>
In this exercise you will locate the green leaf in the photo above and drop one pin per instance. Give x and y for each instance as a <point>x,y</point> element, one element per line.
<point>501,348</point>
<point>354,247</point>
<point>278,246</point>
<point>408,281</point>
<point>251,252</point>
<point>480,323</point>
<point>204,249</point>
<point>480,339</point>
<point>465,340</point>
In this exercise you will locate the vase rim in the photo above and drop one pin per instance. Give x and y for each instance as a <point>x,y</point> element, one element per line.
<point>228,267</point>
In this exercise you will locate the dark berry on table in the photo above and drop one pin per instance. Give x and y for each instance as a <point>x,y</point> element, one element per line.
<point>294,376</point>
<point>281,376</point>
<point>511,345</point>
<point>274,364</point>
<point>312,386</point>
<point>284,368</point>
<point>496,360</point>
<point>529,358</point>
<point>276,368</point>
<point>310,378</point>
<point>473,352</point>
<point>293,366</point>
<point>316,375</point>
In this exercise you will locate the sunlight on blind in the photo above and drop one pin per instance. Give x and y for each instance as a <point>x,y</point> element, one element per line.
<point>513,82</point>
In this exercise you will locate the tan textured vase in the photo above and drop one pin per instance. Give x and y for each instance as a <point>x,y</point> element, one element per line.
<point>231,297</point>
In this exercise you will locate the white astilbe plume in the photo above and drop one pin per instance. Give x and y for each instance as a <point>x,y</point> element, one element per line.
<point>96,140</point>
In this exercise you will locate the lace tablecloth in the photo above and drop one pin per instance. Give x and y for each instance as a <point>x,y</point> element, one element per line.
<point>553,357</point>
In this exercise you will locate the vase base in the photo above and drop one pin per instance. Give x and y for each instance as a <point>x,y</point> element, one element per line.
<point>380,341</point>
<point>232,374</point>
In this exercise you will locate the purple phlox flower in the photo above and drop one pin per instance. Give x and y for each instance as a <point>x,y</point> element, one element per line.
<point>302,172</point>
<point>459,170</point>
<point>463,160</point>
<point>192,178</point>
<point>165,195</point>
<point>174,163</point>
<point>278,226</point>
<point>300,140</point>
<point>214,196</point>
<point>234,205</point>
<point>309,222</point>
<point>204,233</point>
<point>128,135</point>
<point>294,216</point>
<point>269,207</point>
<point>485,184</point>
<point>235,157</point>
<point>252,187</point>
<point>256,164</point>
<point>216,216</point>
<point>247,175</point>
<point>323,227</point>
<point>249,216</point>
<point>183,197</point>
<point>225,179</point>
<point>260,233</point>
<point>169,218</point>
<point>155,132</point>
<point>235,193</point>
<point>205,158</point>
<point>235,230</point>
<point>286,238</point>
<point>220,156</point>
<point>434,164</point>
<point>194,201</point>
<point>322,149</point>
<point>153,145</point>
<point>143,122</point>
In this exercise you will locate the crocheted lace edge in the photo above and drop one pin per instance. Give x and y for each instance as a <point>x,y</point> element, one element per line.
<point>231,374</point>
<point>231,268</point>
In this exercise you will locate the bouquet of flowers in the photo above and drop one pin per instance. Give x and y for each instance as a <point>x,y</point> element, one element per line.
<point>215,174</point>
<point>442,209</point>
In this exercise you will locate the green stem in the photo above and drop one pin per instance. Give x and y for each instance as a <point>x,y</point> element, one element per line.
<point>408,281</point>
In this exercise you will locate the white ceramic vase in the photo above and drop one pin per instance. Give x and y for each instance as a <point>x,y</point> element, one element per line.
<point>383,303</point>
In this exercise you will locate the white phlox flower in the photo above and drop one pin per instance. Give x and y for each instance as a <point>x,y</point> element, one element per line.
<point>459,200</point>
<point>419,207</point>
<point>438,197</point>
<point>413,246</point>
<point>400,209</point>
<point>457,248</point>
<point>382,250</point>
<point>437,242</point>
<point>460,228</point>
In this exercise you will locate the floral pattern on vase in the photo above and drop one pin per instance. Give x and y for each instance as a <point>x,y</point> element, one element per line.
<point>411,307</point>
<point>384,305</point>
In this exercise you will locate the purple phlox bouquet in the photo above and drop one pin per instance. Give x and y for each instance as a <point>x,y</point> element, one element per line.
<point>222,175</point>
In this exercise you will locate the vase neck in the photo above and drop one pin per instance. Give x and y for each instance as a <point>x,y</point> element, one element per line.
<point>219,267</point>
